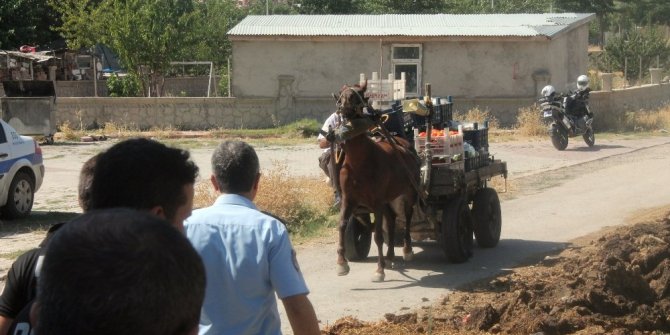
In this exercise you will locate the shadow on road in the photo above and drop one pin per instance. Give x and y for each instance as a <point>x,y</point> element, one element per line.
<point>430,268</point>
<point>596,147</point>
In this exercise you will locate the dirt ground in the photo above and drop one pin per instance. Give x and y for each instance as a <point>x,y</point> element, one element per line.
<point>614,283</point>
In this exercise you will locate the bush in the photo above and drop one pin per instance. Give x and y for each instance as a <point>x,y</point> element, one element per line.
<point>302,203</point>
<point>529,121</point>
<point>479,116</point>
<point>126,86</point>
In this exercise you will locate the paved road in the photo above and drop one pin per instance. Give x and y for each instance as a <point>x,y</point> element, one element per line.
<point>605,185</point>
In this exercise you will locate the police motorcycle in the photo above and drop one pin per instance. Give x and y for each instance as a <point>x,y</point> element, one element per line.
<point>568,115</point>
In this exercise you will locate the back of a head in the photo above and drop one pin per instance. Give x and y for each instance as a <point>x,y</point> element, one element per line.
<point>85,181</point>
<point>235,166</point>
<point>119,271</point>
<point>141,174</point>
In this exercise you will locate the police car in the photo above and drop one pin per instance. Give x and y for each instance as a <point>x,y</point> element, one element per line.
<point>21,172</point>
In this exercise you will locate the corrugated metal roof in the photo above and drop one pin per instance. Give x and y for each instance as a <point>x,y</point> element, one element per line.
<point>521,25</point>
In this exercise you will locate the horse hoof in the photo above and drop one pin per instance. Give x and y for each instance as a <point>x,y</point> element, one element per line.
<point>408,256</point>
<point>388,264</point>
<point>378,277</point>
<point>342,269</point>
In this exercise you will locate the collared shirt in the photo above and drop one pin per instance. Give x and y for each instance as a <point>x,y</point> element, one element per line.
<point>248,258</point>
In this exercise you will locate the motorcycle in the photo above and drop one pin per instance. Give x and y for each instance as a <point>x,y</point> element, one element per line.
<point>568,116</point>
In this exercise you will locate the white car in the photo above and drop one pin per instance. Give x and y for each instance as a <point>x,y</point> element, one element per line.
<point>21,172</point>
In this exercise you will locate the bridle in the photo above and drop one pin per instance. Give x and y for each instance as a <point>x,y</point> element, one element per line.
<point>356,108</point>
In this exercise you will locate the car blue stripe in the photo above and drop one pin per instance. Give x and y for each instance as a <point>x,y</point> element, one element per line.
<point>7,164</point>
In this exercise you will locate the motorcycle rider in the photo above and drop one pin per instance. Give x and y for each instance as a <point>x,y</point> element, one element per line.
<point>575,104</point>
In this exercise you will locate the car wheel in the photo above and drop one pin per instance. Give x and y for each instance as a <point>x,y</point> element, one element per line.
<point>20,197</point>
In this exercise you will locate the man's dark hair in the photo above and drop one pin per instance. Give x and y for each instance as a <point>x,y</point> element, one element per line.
<point>85,181</point>
<point>235,165</point>
<point>119,271</point>
<point>142,174</point>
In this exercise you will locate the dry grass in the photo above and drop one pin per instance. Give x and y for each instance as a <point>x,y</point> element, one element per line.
<point>478,115</point>
<point>529,122</point>
<point>302,203</point>
<point>643,120</point>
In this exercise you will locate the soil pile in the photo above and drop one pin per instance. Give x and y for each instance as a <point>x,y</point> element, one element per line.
<point>618,283</point>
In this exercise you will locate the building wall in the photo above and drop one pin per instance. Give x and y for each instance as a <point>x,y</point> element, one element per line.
<point>489,72</point>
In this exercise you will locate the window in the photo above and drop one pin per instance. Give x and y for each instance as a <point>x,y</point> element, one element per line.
<point>407,58</point>
<point>84,61</point>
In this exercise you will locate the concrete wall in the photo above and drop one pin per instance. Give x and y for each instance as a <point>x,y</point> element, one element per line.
<point>610,107</point>
<point>211,113</point>
<point>180,86</point>
<point>179,113</point>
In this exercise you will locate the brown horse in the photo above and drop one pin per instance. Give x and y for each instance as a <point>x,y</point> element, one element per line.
<point>379,176</point>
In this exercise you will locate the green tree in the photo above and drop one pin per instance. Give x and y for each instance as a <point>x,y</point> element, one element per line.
<point>401,6</point>
<point>602,8</point>
<point>82,21</point>
<point>146,35</point>
<point>328,7</point>
<point>634,47</point>
<point>26,22</point>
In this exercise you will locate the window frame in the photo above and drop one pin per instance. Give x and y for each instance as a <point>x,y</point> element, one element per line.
<point>409,61</point>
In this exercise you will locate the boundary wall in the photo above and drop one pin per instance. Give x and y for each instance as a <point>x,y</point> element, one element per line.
<point>210,113</point>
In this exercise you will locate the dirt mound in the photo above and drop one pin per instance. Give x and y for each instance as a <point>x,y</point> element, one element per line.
<point>616,284</point>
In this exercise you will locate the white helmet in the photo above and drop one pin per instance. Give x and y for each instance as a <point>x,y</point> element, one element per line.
<point>548,91</point>
<point>582,82</point>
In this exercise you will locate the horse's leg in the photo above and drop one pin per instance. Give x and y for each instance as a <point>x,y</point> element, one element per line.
<point>408,254</point>
<point>346,211</point>
<point>379,240</point>
<point>390,220</point>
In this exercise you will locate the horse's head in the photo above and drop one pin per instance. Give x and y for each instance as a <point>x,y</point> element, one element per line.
<point>352,100</point>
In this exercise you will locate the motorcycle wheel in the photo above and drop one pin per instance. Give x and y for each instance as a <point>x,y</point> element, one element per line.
<point>589,137</point>
<point>559,137</point>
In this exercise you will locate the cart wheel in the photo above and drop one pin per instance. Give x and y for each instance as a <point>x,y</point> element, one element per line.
<point>456,235</point>
<point>487,218</point>
<point>358,237</point>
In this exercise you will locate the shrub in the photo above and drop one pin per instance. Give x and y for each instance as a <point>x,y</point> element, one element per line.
<point>477,115</point>
<point>302,203</point>
<point>529,121</point>
<point>126,86</point>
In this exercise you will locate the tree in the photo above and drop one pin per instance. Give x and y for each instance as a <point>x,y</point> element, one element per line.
<point>146,35</point>
<point>635,47</point>
<point>401,6</point>
<point>602,9</point>
<point>26,22</point>
<point>328,7</point>
<point>82,21</point>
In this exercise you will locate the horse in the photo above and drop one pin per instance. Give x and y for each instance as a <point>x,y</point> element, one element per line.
<point>380,176</point>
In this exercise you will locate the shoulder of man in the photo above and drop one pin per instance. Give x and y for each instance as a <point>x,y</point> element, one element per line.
<point>276,218</point>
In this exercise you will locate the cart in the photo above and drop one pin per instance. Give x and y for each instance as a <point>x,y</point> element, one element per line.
<point>457,202</point>
<point>29,107</point>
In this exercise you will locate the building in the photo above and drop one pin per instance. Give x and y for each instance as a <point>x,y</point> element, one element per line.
<point>495,61</point>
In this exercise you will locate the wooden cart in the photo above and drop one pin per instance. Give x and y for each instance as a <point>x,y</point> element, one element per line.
<point>458,204</point>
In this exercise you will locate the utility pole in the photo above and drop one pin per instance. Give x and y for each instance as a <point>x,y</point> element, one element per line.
<point>267,7</point>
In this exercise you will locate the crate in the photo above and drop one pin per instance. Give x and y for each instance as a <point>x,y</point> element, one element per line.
<point>447,145</point>
<point>442,111</point>
<point>477,138</point>
<point>472,163</point>
<point>438,144</point>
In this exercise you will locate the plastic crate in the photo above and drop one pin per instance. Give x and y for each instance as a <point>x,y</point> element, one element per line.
<point>448,145</point>
<point>438,144</point>
<point>478,138</point>
<point>472,163</point>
